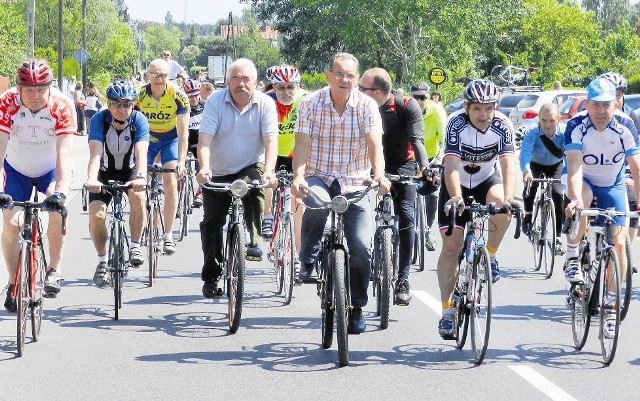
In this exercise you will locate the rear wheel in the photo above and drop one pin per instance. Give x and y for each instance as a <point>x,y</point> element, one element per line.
<point>342,309</point>
<point>547,241</point>
<point>235,282</point>
<point>480,300</point>
<point>288,258</point>
<point>420,237</point>
<point>22,296</point>
<point>385,264</point>
<point>609,305</point>
<point>626,283</point>
<point>37,285</point>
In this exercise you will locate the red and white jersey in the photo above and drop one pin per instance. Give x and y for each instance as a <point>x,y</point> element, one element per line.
<point>31,149</point>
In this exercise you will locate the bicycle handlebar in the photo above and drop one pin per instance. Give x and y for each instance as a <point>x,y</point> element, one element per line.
<point>483,210</point>
<point>156,168</point>
<point>337,204</point>
<point>238,188</point>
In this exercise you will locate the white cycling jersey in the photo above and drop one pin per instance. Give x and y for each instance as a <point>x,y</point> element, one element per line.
<point>478,150</point>
<point>603,152</point>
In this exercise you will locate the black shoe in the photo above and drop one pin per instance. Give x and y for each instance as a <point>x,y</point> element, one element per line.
<point>254,253</point>
<point>306,273</point>
<point>357,324</point>
<point>526,224</point>
<point>402,292</point>
<point>210,289</point>
<point>10,303</point>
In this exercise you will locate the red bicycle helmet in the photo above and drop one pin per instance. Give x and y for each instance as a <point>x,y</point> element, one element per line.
<point>34,73</point>
<point>191,87</point>
<point>283,74</point>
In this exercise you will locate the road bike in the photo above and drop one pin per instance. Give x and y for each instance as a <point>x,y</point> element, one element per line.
<point>186,195</point>
<point>234,251</point>
<point>282,247</point>
<point>472,292</point>
<point>153,232</point>
<point>333,282</point>
<point>422,230</point>
<point>28,289</point>
<point>542,234</point>
<point>511,75</point>
<point>599,293</point>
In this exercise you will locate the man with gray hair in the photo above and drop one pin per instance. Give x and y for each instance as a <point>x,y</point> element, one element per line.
<point>238,140</point>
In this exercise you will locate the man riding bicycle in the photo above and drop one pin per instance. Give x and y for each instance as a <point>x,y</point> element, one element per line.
<point>35,146</point>
<point>118,143</point>
<point>192,89</point>
<point>477,138</point>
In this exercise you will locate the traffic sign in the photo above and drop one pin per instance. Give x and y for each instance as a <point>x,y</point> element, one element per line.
<point>81,56</point>
<point>437,75</point>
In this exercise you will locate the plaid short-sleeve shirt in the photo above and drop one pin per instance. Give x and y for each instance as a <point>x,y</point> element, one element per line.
<point>338,146</point>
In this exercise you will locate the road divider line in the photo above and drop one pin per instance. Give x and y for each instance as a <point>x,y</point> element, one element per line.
<point>429,300</point>
<point>541,383</point>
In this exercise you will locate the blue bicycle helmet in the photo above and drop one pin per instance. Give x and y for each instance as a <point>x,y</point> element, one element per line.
<point>121,91</point>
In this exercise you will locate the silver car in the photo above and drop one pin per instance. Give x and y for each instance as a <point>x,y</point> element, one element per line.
<point>525,114</point>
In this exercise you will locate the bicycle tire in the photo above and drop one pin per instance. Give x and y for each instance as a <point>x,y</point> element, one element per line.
<point>277,247</point>
<point>422,223</point>
<point>385,265</point>
<point>115,257</point>
<point>180,212</point>
<point>609,303</point>
<point>534,236</point>
<point>480,291</point>
<point>188,206</point>
<point>547,242</point>
<point>342,309</point>
<point>235,276</point>
<point>326,300</point>
<point>496,75</point>
<point>579,296</point>
<point>288,257</point>
<point>37,283</point>
<point>627,283</point>
<point>153,234</point>
<point>22,296</point>
<point>461,300</point>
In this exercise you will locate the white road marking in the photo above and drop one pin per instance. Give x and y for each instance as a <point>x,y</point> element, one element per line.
<point>429,300</point>
<point>542,383</point>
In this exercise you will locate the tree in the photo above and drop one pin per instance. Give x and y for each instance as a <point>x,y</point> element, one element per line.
<point>13,38</point>
<point>609,13</point>
<point>251,45</point>
<point>158,37</point>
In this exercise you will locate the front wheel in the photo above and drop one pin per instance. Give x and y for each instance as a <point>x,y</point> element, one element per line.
<point>22,296</point>
<point>460,293</point>
<point>153,238</point>
<point>579,295</point>
<point>480,304</point>
<point>38,272</point>
<point>547,241</point>
<point>326,301</point>
<point>115,262</point>
<point>235,278</point>
<point>609,305</point>
<point>342,309</point>
<point>385,266</point>
<point>627,276</point>
<point>288,258</point>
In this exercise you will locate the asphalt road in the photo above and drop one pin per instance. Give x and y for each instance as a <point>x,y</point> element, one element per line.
<point>171,343</point>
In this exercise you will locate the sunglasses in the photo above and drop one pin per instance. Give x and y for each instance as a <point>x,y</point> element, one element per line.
<point>166,55</point>
<point>281,88</point>
<point>121,105</point>
<point>159,75</point>
<point>419,97</point>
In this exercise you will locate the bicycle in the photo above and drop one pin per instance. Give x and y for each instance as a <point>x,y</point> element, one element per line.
<point>234,251</point>
<point>420,208</point>
<point>152,233</point>
<point>542,234</point>
<point>186,195</point>
<point>28,289</point>
<point>333,280</point>
<point>599,293</point>
<point>282,248</point>
<point>118,251</point>
<point>511,75</point>
<point>472,292</point>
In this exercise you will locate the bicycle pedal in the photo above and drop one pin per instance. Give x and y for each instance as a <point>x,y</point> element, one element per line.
<point>253,258</point>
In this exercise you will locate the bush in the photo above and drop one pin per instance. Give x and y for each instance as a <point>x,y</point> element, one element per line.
<point>313,81</point>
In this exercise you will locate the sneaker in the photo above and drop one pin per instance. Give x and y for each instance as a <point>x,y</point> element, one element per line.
<point>254,253</point>
<point>101,276</point>
<point>306,273</point>
<point>169,246</point>
<point>447,325</point>
<point>357,324</point>
<point>197,201</point>
<point>135,257</point>
<point>402,292</point>
<point>430,242</point>
<point>559,247</point>
<point>210,289</point>
<point>495,271</point>
<point>51,284</point>
<point>572,271</point>
<point>526,224</point>
<point>610,325</point>
<point>267,227</point>
<point>296,272</point>
<point>10,302</point>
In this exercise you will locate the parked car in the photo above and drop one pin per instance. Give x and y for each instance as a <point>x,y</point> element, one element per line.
<point>525,114</point>
<point>631,102</point>
<point>454,105</point>
<point>571,107</point>
<point>509,98</point>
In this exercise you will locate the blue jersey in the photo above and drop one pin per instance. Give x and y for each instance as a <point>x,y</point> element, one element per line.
<point>603,152</point>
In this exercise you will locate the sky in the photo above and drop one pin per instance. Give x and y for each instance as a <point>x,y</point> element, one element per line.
<point>197,11</point>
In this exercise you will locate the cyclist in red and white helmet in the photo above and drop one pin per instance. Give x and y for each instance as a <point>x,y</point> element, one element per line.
<point>192,89</point>
<point>287,94</point>
<point>37,123</point>
<point>478,139</point>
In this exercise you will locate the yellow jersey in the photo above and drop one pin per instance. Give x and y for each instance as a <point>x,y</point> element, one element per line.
<point>162,114</point>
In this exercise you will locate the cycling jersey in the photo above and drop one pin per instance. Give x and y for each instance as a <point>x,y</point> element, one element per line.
<point>287,116</point>
<point>534,149</point>
<point>31,149</point>
<point>434,124</point>
<point>195,117</point>
<point>162,113</point>
<point>603,152</point>
<point>478,150</point>
<point>118,146</point>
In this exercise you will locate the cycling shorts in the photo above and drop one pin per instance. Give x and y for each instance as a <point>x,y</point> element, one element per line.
<point>286,162</point>
<point>20,187</point>
<point>104,177</point>
<point>614,196</point>
<point>167,147</point>
<point>478,192</point>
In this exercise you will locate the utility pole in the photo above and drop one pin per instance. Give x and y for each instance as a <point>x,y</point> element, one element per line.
<point>31,22</point>
<point>60,49</point>
<point>84,43</point>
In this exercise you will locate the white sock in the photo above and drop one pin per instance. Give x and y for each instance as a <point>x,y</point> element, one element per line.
<point>102,258</point>
<point>572,251</point>
<point>135,245</point>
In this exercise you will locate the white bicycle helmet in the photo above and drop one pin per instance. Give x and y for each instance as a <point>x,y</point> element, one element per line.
<point>481,91</point>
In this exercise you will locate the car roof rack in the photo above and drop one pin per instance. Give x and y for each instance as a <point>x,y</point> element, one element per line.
<point>514,89</point>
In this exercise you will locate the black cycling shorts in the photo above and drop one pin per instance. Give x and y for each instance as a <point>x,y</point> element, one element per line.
<point>104,177</point>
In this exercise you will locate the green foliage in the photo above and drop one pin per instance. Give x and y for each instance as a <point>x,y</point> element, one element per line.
<point>13,37</point>
<point>251,45</point>
<point>313,81</point>
<point>158,37</point>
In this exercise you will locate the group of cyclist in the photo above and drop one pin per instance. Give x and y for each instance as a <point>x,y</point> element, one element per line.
<point>331,140</point>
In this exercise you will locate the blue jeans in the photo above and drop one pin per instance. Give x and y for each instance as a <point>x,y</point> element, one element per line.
<point>358,227</point>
